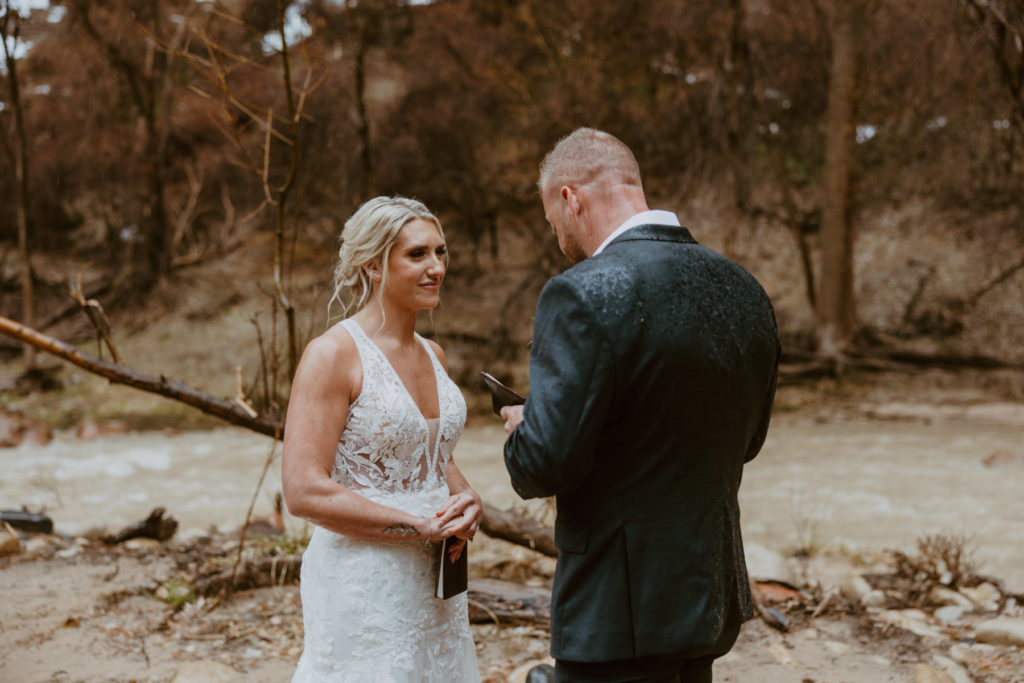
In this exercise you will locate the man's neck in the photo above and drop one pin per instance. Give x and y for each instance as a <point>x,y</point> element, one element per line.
<point>618,205</point>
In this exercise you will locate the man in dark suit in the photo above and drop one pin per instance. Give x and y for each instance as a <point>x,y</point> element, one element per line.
<point>652,376</point>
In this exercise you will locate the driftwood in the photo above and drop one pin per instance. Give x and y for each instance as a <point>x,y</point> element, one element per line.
<point>502,602</point>
<point>30,522</point>
<point>164,386</point>
<point>260,573</point>
<point>518,529</point>
<point>155,526</point>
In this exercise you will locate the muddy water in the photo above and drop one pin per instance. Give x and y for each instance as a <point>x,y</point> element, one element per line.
<point>861,485</point>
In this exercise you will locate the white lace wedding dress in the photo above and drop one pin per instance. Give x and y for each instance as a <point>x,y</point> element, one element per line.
<point>369,610</point>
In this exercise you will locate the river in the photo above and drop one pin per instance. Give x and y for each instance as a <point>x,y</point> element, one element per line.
<point>860,484</point>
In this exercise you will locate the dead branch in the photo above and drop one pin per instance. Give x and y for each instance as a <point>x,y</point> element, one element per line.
<point>171,388</point>
<point>97,316</point>
<point>506,603</point>
<point>518,529</point>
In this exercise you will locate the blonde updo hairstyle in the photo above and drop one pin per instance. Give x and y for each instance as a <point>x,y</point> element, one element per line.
<point>368,236</point>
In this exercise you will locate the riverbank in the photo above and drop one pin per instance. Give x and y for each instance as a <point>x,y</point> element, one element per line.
<point>850,471</point>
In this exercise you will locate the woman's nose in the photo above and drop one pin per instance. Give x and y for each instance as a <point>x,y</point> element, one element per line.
<point>436,265</point>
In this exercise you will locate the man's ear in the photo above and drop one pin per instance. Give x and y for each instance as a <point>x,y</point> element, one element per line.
<point>571,199</point>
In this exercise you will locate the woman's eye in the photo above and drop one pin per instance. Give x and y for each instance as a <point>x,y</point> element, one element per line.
<point>417,253</point>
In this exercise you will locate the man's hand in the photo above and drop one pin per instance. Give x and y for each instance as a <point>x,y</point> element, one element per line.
<point>513,416</point>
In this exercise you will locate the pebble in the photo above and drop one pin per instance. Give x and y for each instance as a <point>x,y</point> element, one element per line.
<point>766,564</point>
<point>9,543</point>
<point>985,595</point>
<point>949,613</point>
<point>1001,631</point>
<point>837,648</point>
<point>926,674</point>
<point>913,620</point>
<point>874,598</point>
<point>942,597</point>
<point>854,587</point>
<point>782,654</point>
<point>955,671</point>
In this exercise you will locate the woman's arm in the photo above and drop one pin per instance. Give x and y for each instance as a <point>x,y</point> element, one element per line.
<point>327,380</point>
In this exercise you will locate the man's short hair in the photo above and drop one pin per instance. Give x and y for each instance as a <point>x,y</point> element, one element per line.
<point>585,155</point>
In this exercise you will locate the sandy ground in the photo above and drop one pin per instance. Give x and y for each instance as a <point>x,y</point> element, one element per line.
<point>85,612</point>
<point>75,610</point>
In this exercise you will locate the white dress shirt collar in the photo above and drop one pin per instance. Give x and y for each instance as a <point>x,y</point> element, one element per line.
<point>651,217</point>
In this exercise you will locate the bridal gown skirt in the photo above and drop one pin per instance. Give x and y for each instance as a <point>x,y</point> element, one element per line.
<point>370,614</point>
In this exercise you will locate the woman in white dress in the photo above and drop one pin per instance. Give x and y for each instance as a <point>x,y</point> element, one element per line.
<point>372,421</point>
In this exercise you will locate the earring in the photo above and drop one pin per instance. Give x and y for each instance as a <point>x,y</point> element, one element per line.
<point>374,275</point>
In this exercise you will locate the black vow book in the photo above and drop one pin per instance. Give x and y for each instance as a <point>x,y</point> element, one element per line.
<point>501,395</point>
<point>452,577</point>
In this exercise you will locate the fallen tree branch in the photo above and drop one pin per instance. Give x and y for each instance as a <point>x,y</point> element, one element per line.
<point>168,387</point>
<point>518,529</point>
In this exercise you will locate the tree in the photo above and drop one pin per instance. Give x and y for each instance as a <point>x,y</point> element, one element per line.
<point>9,33</point>
<point>837,321</point>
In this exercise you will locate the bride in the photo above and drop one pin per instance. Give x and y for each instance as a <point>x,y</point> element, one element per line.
<point>372,421</point>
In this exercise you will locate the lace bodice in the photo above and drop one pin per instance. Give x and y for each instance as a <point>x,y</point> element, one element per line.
<point>387,445</point>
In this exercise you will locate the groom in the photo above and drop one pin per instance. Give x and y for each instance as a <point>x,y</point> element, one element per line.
<point>652,376</point>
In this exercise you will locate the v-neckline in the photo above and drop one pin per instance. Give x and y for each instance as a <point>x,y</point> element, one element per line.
<point>405,389</point>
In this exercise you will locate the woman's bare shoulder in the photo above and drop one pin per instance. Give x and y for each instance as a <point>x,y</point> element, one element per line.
<point>439,352</point>
<point>332,353</point>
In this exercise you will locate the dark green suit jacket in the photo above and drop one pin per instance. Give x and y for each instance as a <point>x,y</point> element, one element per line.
<point>652,376</point>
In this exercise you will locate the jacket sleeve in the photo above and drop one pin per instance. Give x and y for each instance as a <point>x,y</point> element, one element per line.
<point>761,433</point>
<point>571,387</point>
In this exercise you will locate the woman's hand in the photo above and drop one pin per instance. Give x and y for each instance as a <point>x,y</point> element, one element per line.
<point>460,517</point>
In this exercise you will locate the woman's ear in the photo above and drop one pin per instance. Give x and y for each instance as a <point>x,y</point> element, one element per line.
<point>373,270</point>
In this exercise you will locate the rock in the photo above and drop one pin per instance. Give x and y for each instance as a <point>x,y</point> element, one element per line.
<point>766,564</point>
<point>942,596</point>
<point>522,673</point>
<point>955,671</point>
<point>837,648</point>
<point>949,613</point>
<point>874,598</point>
<point>854,587</point>
<point>985,595</point>
<point>913,620</point>
<point>206,672</point>
<point>40,545</point>
<point>1001,631</point>
<point>782,654</point>
<point>142,544</point>
<point>10,544</point>
<point>926,674</point>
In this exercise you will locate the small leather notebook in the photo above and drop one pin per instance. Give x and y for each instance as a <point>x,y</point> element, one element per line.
<point>452,577</point>
<point>501,395</point>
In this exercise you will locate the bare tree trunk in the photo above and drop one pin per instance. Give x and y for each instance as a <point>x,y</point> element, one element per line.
<point>836,315</point>
<point>20,178</point>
